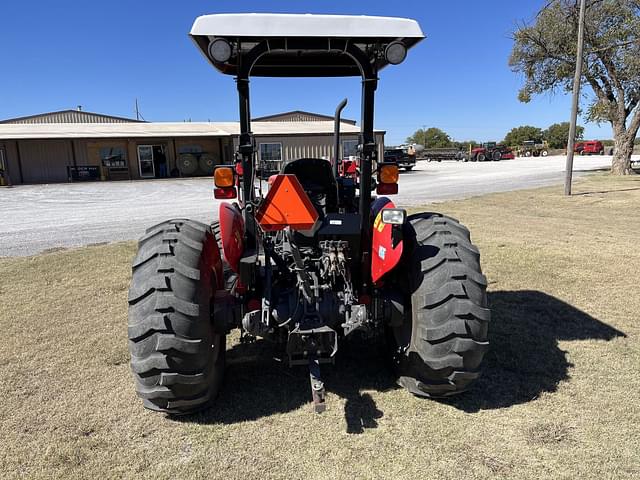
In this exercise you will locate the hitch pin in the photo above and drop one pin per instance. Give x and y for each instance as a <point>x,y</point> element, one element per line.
<point>317,386</point>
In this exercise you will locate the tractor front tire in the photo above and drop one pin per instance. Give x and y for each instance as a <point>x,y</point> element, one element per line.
<point>439,349</point>
<point>177,357</point>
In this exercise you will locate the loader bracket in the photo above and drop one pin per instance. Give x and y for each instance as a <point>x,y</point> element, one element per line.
<point>356,320</point>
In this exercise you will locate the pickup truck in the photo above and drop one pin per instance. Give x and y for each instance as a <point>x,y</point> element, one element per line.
<point>403,157</point>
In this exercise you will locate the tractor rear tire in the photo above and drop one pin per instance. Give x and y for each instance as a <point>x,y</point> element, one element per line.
<point>177,357</point>
<point>439,349</point>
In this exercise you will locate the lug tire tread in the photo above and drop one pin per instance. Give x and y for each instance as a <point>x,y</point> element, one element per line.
<point>449,314</point>
<point>177,359</point>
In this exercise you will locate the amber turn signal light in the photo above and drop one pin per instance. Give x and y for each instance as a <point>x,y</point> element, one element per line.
<point>388,174</point>
<point>224,177</point>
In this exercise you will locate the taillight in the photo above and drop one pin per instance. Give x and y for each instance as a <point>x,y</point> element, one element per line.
<point>224,179</point>
<point>225,193</point>
<point>387,188</point>
<point>388,175</point>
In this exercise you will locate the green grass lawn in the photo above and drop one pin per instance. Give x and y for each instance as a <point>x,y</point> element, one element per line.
<point>560,396</point>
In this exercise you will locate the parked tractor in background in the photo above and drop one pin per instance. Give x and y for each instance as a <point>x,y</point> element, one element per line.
<point>490,151</point>
<point>316,258</point>
<point>531,148</point>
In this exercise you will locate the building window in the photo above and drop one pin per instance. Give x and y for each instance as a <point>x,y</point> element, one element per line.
<point>349,148</point>
<point>113,157</point>
<point>271,152</point>
<point>270,156</point>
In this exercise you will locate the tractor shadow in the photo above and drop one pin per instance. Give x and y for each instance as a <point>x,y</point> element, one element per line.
<point>259,383</point>
<point>525,360</point>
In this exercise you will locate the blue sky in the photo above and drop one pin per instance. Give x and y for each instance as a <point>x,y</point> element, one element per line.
<point>104,54</point>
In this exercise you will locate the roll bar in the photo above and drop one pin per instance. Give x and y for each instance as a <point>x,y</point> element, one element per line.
<point>368,71</point>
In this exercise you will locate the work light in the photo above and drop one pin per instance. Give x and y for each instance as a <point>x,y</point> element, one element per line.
<point>220,50</point>
<point>393,216</point>
<point>395,53</point>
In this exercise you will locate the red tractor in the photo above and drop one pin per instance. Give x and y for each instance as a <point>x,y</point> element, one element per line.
<point>316,259</point>
<point>490,151</point>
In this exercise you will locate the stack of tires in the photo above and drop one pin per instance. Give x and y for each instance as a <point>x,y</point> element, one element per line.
<point>197,164</point>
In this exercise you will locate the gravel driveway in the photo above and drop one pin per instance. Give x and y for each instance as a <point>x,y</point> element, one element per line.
<point>40,217</point>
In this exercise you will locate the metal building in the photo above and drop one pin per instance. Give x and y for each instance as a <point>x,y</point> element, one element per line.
<point>33,151</point>
<point>298,116</point>
<point>69,116</point>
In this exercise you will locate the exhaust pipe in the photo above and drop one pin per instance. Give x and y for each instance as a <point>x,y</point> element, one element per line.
<point>336,137</point>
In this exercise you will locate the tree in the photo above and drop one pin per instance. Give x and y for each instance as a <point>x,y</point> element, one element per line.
<point>430,138</point>
<point>518,135</point>
<point>465,144</point>
<point>545,52</point>
<point>558,134</point>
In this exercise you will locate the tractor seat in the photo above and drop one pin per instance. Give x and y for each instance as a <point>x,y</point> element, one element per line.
<point>316,177</point>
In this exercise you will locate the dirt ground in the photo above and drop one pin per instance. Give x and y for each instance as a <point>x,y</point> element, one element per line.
<point>560,396</point>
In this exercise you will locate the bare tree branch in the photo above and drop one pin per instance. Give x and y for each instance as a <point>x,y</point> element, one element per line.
<point>617,45</point>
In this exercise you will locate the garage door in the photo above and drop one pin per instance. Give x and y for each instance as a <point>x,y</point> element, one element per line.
<point>45,161</point>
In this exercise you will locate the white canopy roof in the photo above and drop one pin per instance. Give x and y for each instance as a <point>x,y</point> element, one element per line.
<point>303,45</point>
<point>306,25</point>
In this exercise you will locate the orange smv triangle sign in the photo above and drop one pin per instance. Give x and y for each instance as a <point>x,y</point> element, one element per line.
<point>286,205</point>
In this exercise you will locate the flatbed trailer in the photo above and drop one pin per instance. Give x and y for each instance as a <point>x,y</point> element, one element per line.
<point>439,154</point>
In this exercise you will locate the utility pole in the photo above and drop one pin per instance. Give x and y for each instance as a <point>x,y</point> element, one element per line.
<point>137,111</point>
<point>577,79</point>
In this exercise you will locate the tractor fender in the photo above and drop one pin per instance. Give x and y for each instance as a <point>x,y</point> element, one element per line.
<point>386,242</point>
<point>232,234</point>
